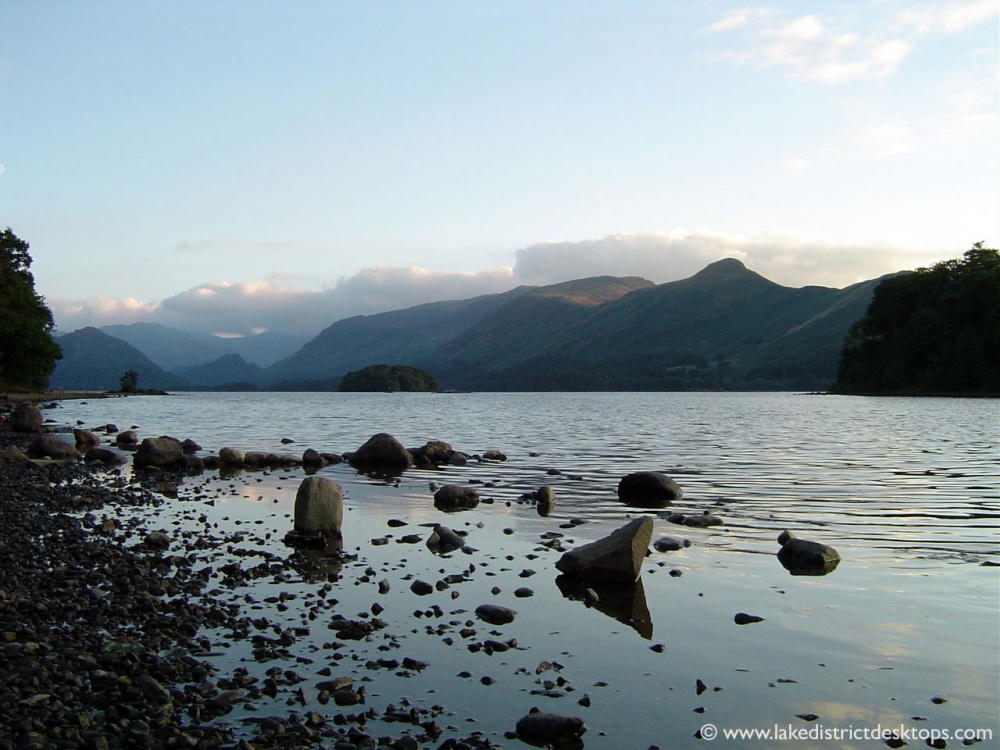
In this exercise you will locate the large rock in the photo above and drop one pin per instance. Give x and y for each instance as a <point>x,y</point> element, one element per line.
<point>648,489</point>
<point>319,506</point>
<point>127,439</point>
<point>382,451</point>
<point>549,730</point>
<point>104,456</point>
<point>26,418</point>
<point>51,446</point>
<point>617,556</point>
<point>159,452</point>
<point>801,557</point>
<point>232,456</point>
<point>85,439</point>
<point>455,497</point>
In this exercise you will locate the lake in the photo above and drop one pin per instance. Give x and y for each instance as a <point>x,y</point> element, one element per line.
<point>903,635</point>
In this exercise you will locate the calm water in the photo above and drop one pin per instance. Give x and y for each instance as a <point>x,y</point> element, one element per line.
<point>907,490</point>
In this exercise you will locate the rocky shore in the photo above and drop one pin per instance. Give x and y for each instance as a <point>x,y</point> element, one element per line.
<point>102,631</point>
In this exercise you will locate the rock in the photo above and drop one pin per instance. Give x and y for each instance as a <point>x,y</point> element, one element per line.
<point>455,497</point>
<point>26,418</point>
<point>494,456</point>
<point>129,437</point>
<point>382,451</point>
<point>648,489</point>
<point>311,457</point>
<point>110,428</point>
<point>801,557</point>
<point>319,506</point>
<point>232,456</point>
<point>157,540</point>
<point>13,453</point>
<point>189,446</point>
<point>702,521</point>
<point>160,452</point>
<point>421,588</point>
<point>51,446</point>
<point>545,730</point>
<point>444,540</point>
<point>617,556</point>
<point>432,453</point>
<point>669,544</point>
<point>742,618</point>
<point>545,496</point>
<point>104,456</point>
<point>494,614</point>
<point>85,439</point>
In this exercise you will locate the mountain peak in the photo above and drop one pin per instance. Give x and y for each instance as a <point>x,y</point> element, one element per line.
<point>727,267</point>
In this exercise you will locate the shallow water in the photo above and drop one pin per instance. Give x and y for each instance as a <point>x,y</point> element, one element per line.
<point>907,490</point>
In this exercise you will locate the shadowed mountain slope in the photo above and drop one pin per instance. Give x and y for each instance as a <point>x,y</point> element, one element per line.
<point>93,360</point>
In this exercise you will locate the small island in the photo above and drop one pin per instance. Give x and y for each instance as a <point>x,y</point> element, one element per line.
<point>390,378</point>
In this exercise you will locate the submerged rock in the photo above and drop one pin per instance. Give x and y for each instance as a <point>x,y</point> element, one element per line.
<point>801,557</point>
<point>648,489</point>
<point>617,556</point>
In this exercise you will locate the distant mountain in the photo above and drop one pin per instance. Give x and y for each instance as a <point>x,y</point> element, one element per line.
<point>399,337</point>
<point>93,360</point>
<point>229,370</point>
<point>723,328</point>
<point>174,349</point>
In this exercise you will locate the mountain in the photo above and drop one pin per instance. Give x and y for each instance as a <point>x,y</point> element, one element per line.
<point>399,337</point>
<point>174,349</point>
<point>93,360</point>
<point>169,347</point>
<point>725,327</point>
<point>229,370</point>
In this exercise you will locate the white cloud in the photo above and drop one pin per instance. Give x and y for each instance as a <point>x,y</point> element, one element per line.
<point>810,49</point>
<point>949,16</point>
<point>735,19</point>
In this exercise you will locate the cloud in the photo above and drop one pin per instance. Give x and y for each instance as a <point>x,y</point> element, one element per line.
<point>948,16</point>
<point>809,48</point>
<point>785,258</point>
<point>243,308</point>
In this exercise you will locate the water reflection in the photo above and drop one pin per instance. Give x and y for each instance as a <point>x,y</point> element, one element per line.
<point>625,602</point>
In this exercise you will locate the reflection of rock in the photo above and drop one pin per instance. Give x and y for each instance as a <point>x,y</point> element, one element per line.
<point>625,602</point>
<point>550,730</point>
<point>617,556</point>
<point>317,558</point>
<point>648,489</point>
<point>801,557</point>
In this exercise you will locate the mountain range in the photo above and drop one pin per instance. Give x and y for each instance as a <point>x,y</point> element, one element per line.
<point>726,327</point>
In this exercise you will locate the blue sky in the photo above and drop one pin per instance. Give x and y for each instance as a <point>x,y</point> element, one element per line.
<point>236,166</point>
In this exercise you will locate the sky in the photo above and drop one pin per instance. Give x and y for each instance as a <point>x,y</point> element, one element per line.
<point>233,167</point>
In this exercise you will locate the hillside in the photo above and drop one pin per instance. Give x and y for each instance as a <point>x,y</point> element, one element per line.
<point>93,360</point>
<point>230,370</point>
<point>404,337</point>
<point>723,328</point>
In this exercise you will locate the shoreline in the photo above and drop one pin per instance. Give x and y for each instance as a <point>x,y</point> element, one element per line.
<point>103,632</point>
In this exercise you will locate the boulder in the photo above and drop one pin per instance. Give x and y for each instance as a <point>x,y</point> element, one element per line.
<point>546,496</point>
<point>801,557</point>
<point>670,544</point>
<point>382,451</point>
<point>312,457</point>
<point>648,489</point>
<point>494,456</point>
<point>26,418</point>
<point>319,506</point>
<point>549,730</point>
<point>159,452</point>
<point>13,453</point>
<point>127,438</point>
<point>432,453</point>
<point>104,456</point>
<point>189,446</point>
<point>51,446</point>
<point>444,540</point>
<point>617,556</point>
<point>455,497</point>
<point>232,456</point>
<point>85,439</point>
<point>494,614</point>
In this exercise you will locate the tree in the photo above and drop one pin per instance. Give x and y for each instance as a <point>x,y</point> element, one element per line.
<point>936,330</point>
<point>129,382</point>
<point>389,378</point>
<point>28,353</point>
